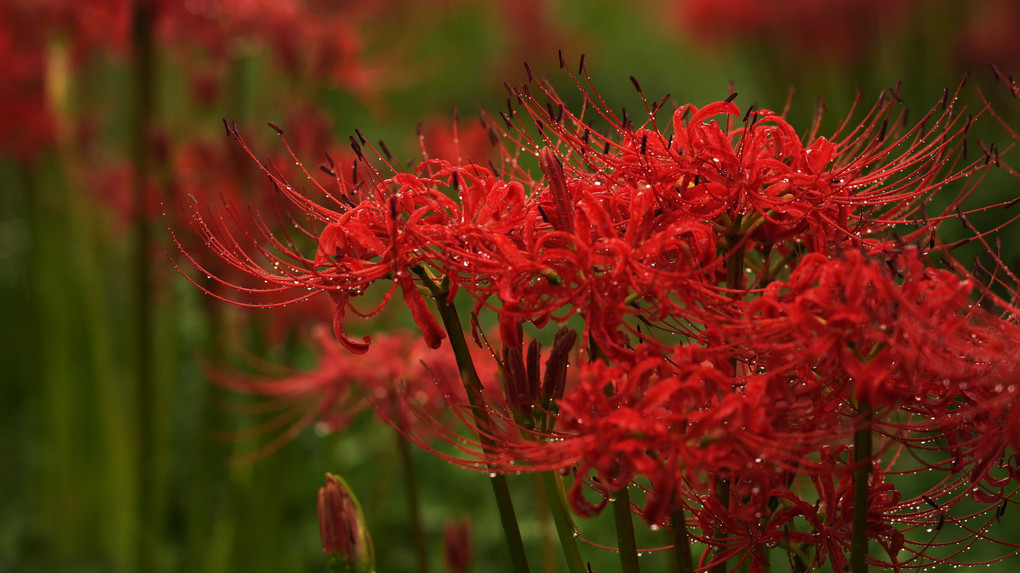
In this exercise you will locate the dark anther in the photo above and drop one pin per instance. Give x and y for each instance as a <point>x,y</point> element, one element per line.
<point>563,64</point>
<point>979,269</point>
<point>750,110</point>
<point>385,149</point>
<point>892,267</point>
<point>1011,203</point>
<point>361,136</point>
<point>945,97</point>
<point>731,97</point>
<point>330,159</point>
<point>356,148</point>
<point>658,105</point>
<point>227,127</point>
<point>644,144</point>
<point>541,212</point>
<point>276,128</point>
<point>456,180</point>
<point>964,220</point>
<point>881,134</point>
<point>506,120</point>
<point>527,68</point>
<point>930,502</point>
<point>895,92</point>
<point>327,171</point>
<point>580,67</point>
<point>634,81</point>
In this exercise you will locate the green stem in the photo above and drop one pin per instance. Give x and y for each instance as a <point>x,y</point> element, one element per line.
<point>735,280</point>
<point>722,492</point>
<point>862,471</point>
<point>415,504</point>
<point>565,528</point>
<point>625,532</point>
<point>508,519</point>
<point>681,542</point>
<point>473,386</point>
<point>144,77</point>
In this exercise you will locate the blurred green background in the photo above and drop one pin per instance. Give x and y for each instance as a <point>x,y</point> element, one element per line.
<point>117,453</point>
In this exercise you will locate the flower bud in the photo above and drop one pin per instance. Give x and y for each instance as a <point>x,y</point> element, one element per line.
<point>342,526</point>
<point>457,545</point>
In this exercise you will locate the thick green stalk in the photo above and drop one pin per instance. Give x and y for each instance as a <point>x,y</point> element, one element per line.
<point>144,77</point>
<point>473,385</point>
<point>625,531</point>
<point>681,542</point>
<point>735,280</point>
<point>565,528</point>
<point>862,471</point>
<point>414,503</point>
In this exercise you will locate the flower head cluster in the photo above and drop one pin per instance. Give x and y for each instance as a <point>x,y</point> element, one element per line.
<point>752,302</point>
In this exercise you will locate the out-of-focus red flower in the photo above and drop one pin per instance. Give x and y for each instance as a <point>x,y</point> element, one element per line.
<point>458,549</point>
<point>824,30</point>
<point>990,33</point>
<point>29,125</point>
<point>401,374</point>
<point>459,143</point>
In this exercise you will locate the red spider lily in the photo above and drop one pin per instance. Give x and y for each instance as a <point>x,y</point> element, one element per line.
<point>752,302</point>
<point>404,374</point>
<point>569,246</point>
<point>841,30</point>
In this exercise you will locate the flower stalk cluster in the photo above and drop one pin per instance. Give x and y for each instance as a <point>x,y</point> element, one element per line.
<point>768,336</point>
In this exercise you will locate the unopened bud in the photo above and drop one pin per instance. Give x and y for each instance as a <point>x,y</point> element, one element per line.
<point>457,545</point>
<point>342,526</point>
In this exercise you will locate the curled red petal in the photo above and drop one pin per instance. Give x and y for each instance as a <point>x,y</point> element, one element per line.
<point>338,329</point>
<point>425,320</point>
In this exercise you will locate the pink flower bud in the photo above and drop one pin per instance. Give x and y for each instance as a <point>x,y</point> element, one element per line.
<point>345,537</point>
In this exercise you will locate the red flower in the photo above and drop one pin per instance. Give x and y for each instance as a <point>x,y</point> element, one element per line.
<point>398,374</point>
<point>457,546</point>
<point>752,300</point>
